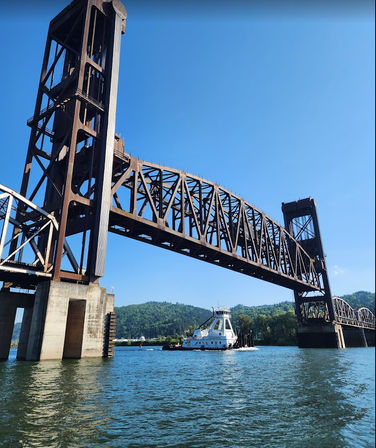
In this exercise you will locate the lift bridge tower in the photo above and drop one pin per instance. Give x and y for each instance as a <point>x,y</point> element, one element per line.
<point>68,172</point>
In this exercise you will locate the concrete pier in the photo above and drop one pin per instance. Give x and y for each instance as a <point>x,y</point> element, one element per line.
<point>370,337</point>
<point>9,302</point>
<point>62,320</point>
<point>321,336</point>
<point>354,336</point>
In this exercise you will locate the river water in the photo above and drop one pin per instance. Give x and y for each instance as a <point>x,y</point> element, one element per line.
<point>272,397</point>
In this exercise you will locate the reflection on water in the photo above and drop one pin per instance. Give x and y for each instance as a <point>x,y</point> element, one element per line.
<point>277,396</point>
<point>53,403</point>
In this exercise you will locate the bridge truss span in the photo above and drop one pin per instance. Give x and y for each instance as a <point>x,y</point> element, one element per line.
<point>186,214</point>
<point>346,315</point>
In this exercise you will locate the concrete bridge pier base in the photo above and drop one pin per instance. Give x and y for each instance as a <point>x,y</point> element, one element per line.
<point>370,337</point>
<point>9,302</point>
<point>7,316</point>
<point>354,336</point>
<point>62,320</point>
<point>321,336</point>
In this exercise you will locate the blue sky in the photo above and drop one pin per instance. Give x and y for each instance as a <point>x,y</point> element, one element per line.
<point>275,104</point>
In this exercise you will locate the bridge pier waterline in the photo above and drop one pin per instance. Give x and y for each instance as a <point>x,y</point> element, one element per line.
<point>354,336</point>
<point>9,302</point>
<point>321,336</point>
<point>370,337</point>
<point>61,320</point>
<point>334,336</point>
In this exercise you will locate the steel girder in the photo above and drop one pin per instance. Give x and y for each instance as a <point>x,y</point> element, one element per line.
<point>192,216</point>
<point>302,222</point>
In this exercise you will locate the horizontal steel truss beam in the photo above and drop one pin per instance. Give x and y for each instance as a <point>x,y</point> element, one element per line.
<point>189,215</point>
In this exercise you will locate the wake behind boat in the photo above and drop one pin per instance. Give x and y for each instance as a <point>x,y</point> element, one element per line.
<point>216,333</point>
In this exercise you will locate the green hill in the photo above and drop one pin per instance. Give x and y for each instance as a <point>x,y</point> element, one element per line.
<point>154,319</point>
<point>360,299</point>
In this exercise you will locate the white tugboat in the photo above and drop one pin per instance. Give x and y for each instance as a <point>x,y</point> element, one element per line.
<point>219,336</point>
<point>216,333</point>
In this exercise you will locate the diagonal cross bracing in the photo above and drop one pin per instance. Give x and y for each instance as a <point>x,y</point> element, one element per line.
<point>189,215</point>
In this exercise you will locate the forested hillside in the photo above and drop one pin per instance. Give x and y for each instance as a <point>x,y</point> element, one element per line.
<point>153,319</point>
<point>361,298</point>
<point>272,324</point>
<point>267,310</point>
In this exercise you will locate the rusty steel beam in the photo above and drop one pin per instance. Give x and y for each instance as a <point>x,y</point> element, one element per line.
<point>192,216</point>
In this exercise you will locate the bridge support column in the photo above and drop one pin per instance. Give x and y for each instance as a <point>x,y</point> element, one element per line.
<point>321,336</point>
<point>354,336</point>
<point>9,302</point>
<point>68,321</point>
<point>7,316</point>
<point>370,337</point>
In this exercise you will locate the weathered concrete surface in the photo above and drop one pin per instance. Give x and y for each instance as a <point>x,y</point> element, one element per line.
<point>321,336</point>
<point>7,316</point>
<point>370,337</point>
<point>354,336</point>
<point>9,302</point>
<point>25,332</point>
<point>84,326</point>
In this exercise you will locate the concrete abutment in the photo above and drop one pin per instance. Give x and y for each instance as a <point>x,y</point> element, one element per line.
<point>321,336</point>
<point>61,320</point>
<point>334,336</point>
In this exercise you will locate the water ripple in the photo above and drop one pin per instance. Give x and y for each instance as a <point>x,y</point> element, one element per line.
<point>274,397</point>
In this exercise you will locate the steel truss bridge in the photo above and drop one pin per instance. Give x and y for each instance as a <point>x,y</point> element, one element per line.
<point>182,213</point>
<point>87,186</point>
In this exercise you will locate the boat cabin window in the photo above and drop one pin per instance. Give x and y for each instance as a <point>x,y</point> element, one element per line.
<point>228,326</point>
<point>218,325</point>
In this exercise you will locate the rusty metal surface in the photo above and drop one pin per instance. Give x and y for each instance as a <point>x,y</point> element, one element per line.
<point>22,231</point>
<point>72,133</point>
<point>346,315</point>
<point>192,216</point>
<point>301,220</point>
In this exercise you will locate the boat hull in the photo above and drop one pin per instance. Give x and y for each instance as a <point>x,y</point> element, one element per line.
<point>191,349</point>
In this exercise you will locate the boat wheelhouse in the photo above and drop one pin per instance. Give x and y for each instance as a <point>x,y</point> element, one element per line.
<point>214,334</point>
